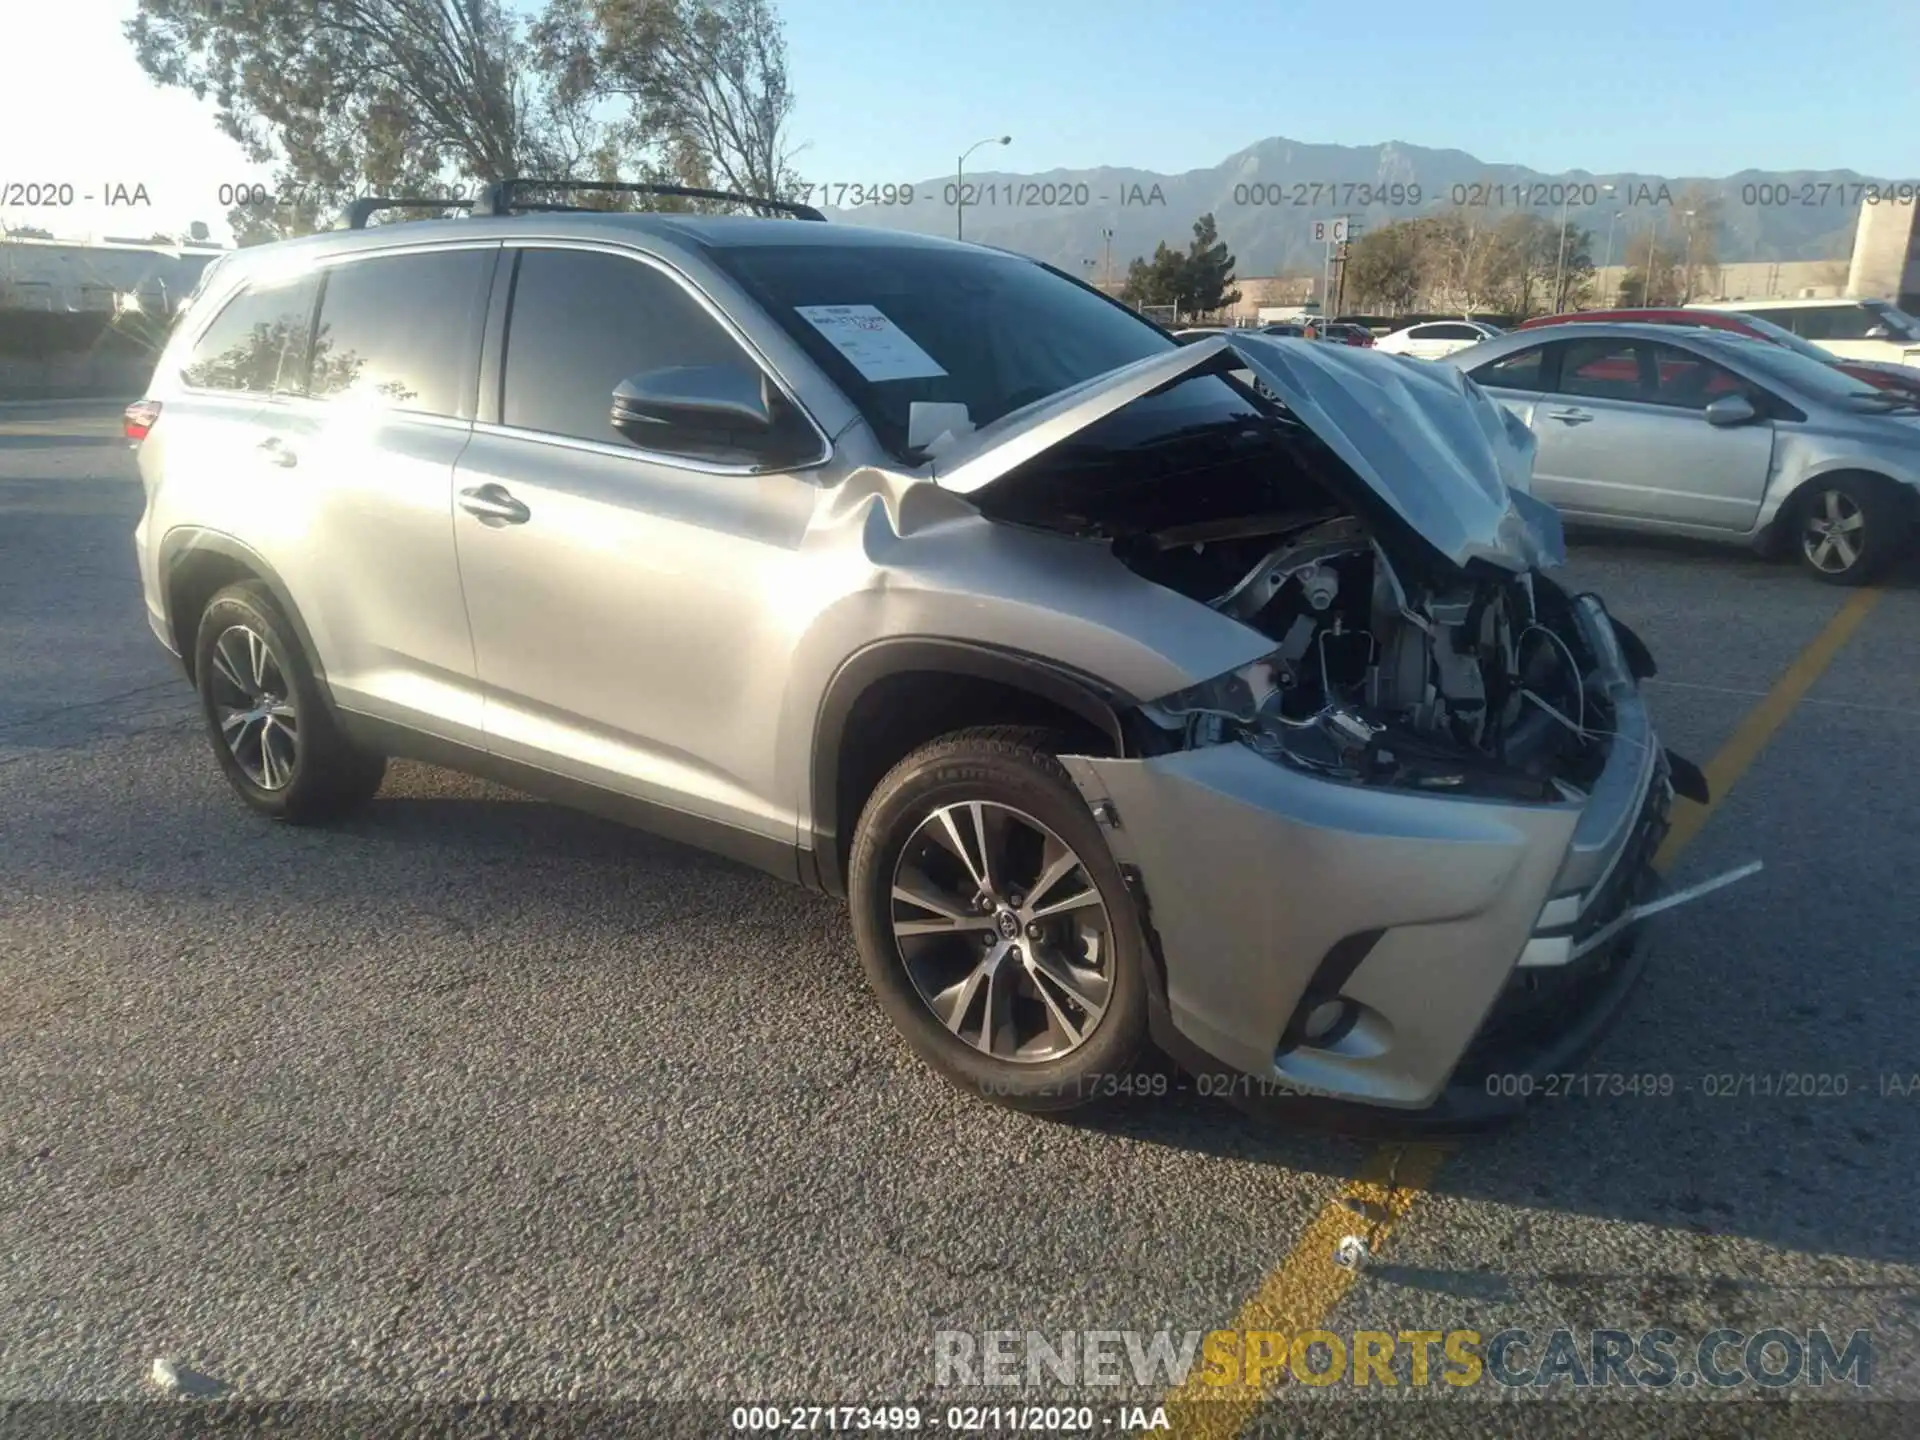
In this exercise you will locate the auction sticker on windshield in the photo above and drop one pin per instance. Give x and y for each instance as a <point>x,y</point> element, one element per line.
<point>878,348</point>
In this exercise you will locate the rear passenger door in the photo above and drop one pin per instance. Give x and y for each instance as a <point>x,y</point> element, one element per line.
<point>369,449</point>
<point>215,455</point>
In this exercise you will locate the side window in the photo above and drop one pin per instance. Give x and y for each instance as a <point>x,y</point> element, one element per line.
<point>1452,332</point>
<point>1425,332</point>
<point>1691,382</point>
<point>258,343</point>
<point>1785,319</point>
<point>1849,322</point>
<point>582,322</point>
<point>400,330</point>
<point>1831,322</point>
<point>1520,371</point>
<point>1601,369</point>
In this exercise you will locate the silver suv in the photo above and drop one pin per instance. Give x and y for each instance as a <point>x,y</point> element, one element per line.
<point>1121,687</point>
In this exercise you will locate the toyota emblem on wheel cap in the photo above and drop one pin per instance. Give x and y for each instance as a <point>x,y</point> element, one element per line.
<point>1009,924</point>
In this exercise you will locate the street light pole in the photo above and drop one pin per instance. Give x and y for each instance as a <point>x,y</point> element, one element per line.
<point>1686,266</point>
<point>960,182</point>
<point>1609,265</point>
<point>1560,260</point>
<point>1646,278</point>
<point>1107,268</point>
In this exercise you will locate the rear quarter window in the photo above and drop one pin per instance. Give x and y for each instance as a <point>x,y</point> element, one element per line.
<point>257,344</point>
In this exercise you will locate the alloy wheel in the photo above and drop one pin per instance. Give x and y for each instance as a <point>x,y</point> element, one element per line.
<point>1833,533</point>
<point>253,705</point>
<point>1002,932</point>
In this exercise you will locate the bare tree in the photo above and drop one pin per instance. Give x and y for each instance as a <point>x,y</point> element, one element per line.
<point>347,97</point>
<point>705,83</point>
<point>1458,249</point>
<point>1697,218</point>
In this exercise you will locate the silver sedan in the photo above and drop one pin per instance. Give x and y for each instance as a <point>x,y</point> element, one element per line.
<point>1712,435</point>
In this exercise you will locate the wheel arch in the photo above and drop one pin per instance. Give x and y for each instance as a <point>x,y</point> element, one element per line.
<point>1850,471</point>
<point>895,694</point>
<point>196,565</point>
<point>1777,538</point>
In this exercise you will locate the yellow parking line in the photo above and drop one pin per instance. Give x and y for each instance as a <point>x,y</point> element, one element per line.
<point>1750,736</point>
<point>1301,1292</point>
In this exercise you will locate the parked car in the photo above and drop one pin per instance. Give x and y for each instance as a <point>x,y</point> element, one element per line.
<point>750,531</point>
<point>1701,432</point>
<point>1904,378</point>
<point>1286,328</point>
<point>1343,334</point>
<point>1436,339</point>
<point>1851,329</point>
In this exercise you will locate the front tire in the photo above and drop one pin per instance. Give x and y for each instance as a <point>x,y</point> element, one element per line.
<point>271,728</point>
<point>994,925</point>
<point>1847,529</point>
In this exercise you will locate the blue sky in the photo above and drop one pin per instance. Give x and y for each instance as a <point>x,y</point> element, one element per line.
<point>894,89</point>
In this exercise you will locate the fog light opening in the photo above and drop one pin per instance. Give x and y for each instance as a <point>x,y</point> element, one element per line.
<point>1328,1021</point>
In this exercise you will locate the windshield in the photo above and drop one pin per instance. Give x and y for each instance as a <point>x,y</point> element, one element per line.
<point>1816,379</point>
<point>989,331</point>
<point>1902,325</point>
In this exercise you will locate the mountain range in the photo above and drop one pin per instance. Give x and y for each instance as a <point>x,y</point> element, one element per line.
<point>1265,198</point>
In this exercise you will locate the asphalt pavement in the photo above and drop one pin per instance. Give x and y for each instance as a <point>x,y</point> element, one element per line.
<point>477,1098</point>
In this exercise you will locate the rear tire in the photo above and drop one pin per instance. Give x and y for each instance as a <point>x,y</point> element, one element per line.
<point>1018,974</point>
<point>272,730</point>
<point>1847,529</point>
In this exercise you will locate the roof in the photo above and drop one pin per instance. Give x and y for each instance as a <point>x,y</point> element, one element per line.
<point>1774,304</point>
<point>672,228</point>
<point>1709,335</point>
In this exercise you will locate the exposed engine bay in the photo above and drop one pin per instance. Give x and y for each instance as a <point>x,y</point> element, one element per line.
<point>1480,689</point>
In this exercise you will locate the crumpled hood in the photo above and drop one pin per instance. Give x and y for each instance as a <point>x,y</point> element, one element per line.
<point>1448,460</point>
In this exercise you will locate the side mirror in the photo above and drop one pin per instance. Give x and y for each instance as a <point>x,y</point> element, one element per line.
<point>710,400</point>
<point>1879,332</point>
<point>1730,410</point>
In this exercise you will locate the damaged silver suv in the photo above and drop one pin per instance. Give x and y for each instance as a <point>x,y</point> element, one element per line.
<point>1212,693</point>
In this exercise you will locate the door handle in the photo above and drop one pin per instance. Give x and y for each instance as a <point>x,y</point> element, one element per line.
<point>1570,417</point>
<point>493,505</point>
<point>276,452</point>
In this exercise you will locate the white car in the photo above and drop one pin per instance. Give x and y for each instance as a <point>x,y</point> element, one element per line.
<point>1851,329</point>
<point>1437,338</point>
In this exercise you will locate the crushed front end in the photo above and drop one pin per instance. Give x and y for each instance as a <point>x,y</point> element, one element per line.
<point>1399,849</point>
<point>1384,869</point>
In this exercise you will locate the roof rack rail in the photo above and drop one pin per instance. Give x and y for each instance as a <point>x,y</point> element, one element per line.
<point>497,198</point>
<point>360,211</point>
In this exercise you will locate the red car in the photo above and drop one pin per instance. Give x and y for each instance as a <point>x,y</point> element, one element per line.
<point>1342,333</point>
<point>1903,379</point>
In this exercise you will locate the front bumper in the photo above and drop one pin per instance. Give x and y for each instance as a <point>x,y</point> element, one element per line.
<point>1267,892</point>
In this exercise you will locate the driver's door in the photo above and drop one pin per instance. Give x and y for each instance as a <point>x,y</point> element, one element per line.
<point>623,600</point>
<point>1625,436</point>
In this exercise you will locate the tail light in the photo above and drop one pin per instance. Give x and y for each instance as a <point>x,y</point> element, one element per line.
<point>140,418</point>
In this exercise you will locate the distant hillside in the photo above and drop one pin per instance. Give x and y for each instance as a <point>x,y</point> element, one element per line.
<point>1266,197</point>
